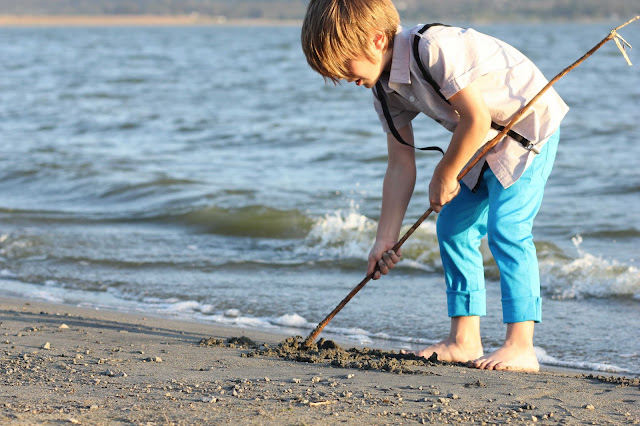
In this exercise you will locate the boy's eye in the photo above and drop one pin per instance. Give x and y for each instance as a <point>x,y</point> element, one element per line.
<point>351,76</point>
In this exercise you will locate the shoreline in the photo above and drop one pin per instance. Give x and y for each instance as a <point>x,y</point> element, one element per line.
<point>81,365</point>
<point>21,21</point>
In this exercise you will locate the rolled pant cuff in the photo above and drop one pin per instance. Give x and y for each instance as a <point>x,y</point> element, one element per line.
<point>522,309</point>
<point>467,303</point>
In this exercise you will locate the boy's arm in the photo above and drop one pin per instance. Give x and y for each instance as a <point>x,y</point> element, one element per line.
<point>471,132</point>
<point>397,189</point>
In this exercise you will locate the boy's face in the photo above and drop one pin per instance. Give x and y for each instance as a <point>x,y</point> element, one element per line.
<point>366,71</point>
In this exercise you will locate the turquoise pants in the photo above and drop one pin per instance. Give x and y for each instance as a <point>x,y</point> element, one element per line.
<point>506,217</point>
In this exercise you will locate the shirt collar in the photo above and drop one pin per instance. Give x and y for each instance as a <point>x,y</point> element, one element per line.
<point>401,58</point>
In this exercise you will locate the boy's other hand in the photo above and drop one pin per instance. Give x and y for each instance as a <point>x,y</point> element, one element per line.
<point>385,258</point>
<point>442,189</point>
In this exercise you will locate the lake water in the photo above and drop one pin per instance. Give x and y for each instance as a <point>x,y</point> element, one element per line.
<point>206,173</point>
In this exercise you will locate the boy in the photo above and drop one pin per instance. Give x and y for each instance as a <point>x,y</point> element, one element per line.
<point>471,84</point>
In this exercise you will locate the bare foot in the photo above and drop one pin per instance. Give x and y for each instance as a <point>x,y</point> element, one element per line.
<point>451,351</point>
<point>515,354</point>
<point>508,357</point>
<point>462,345</point>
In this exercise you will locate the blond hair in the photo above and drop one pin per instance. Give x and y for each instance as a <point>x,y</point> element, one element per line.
<point>335,31</point>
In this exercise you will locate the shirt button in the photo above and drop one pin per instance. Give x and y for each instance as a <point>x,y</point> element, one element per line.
<point>412,98</point>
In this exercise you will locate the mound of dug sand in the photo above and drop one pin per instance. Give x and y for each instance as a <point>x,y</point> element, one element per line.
<point>327,351</point>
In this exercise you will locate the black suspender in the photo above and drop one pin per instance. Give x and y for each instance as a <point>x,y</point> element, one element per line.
<point>425,73</point>
<point>382,97</point>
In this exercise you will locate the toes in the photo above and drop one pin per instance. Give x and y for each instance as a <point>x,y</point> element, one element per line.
<point>473,363</point>
<point>502,367</point>
<point>484,366</point>
<point>480,363</point>
<point>492,364</point>
<point>414,353</point>
<point>426,353</point>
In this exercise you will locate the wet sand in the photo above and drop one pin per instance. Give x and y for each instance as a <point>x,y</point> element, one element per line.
<point>86,366</point>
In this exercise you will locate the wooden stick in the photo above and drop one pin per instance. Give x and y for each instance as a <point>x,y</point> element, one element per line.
<point>483,152</point>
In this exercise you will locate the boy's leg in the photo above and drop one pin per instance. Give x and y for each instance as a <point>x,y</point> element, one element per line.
<point>511,214</point>
<point>461,225</point>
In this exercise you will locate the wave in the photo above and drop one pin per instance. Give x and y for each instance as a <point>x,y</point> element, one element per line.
<point>588,276</point>
<point>348,234</point>
<point>251,221</point>
<point>345,234</point>
<point>545,359</point>
<point>142,189</point>
<point>616,234</point>
<point>256,221</point>
<point>341,239</point>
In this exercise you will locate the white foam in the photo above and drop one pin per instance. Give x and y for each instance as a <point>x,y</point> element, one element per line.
<point>7,273</point>
<point>365,337</point>
<point>350,234</point>
<point>54,294</point>
<point>589,276</point>
<point>546,359</point>
<point>239,321</point>
<point>233,313</point>
<point>207,308</point>
<point>291,320</point>
<point>187,306</point>
<point>46,296</point>
<point>361,339</point>
<point>345,233</point>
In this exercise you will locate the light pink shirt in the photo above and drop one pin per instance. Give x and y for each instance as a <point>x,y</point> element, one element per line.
<point>456,57</point>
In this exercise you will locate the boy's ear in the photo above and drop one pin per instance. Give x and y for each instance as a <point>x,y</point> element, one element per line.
<point>379,40</point>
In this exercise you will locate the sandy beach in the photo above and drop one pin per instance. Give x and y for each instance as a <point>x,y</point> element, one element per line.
<point>86,366</point>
